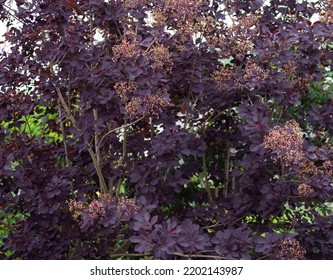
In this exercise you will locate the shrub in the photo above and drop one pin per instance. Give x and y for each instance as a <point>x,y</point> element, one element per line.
<point>164,131</point>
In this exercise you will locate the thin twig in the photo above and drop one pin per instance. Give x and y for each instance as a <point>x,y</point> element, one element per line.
<point>12,13</point>
<point>205,180</point>
<point>129,255</point>
<point>212,226</point>
<point>226,169</point>
<point>62,127</point>
<point>147,51</point>
<point>196,256</point>
<point>263,257</point>
<point>124,155</point>
<point>118,128</point>
<point>199,256</point>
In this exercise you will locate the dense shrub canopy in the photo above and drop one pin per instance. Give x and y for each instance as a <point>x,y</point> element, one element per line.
<point>166,129</point>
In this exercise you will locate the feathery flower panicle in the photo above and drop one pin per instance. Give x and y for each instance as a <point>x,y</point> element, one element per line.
<point>156,102</point>
<point>248,22</point>
<point>133,3</point>
<point>125,89</point>
<point>128,48</point>
<point>244,28</point>
<point>96,209</point>
<point>207,25</point>
<point>304,190</point>
<point>286,143</point>
<point>134,108</point>
<point>327,168</point>
<point>290,249</point>
<point>217,41</point>
<point>127,206</point>
<point>289,69</point>
<point>159,17</point>
<point>254,74</point>
<point>243,47</point>
<point>76,208</point>
<point>327,14</point>
<point>99,208</point>
<point>223,78</point>
<point>161,58</point>
<point>307,170</point>
<point>182,13</point>
<point>148,105</point>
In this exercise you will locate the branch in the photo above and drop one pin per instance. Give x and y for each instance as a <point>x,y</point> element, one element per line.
<point>62,127</point>
<point>11,12</point>
<point>199,256</point>
<point>124,142</point>
<point>118,128</point>
<point>98,155</point>
<point>205,181</point>
<point>121,249</point>
<point>64,104</point>
<point>147,51</point>
<point>226,168</point>
<point>103,185</point>
<point>212,226</point>
<point>189,256</point>
<point>129,255</point>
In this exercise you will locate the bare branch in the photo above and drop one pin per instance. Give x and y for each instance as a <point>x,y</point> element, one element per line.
<point>118,128</point>
<point>199,256</point>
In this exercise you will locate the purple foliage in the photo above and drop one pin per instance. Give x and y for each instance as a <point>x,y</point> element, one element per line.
<point>167,146</point>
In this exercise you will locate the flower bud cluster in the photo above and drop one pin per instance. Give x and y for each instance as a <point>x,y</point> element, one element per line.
<point>161,58</point>
<point>223,78</point>
<point>125,89</point>
<point>128,48</point>
<point>243,47</point>
<point>134,3</point>
<point>237,40</point>
<point>96,209</point>
<point>206,25</point>
<point>127,206</point>
<point>254,74</point>
<point>244,24</point>
<point>290,249</point>
<point>289,69</point>
<point>160,17</point>
<point>327,168</point>
<point>178,13</point>
<point>218,41</point>
<point>148,105</point>
<point>76,208</point>
<point>327,15</point>
<point>302,83</point>
<point>304,190</point>
<point>243,31</point>
<point>99,208</point>
<point>286,143</point>
<point>309,169</point>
